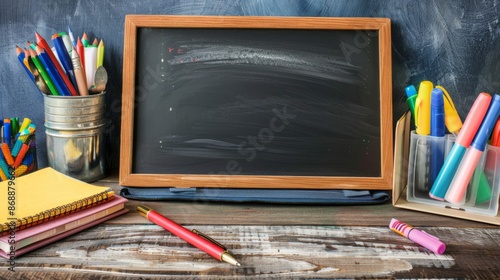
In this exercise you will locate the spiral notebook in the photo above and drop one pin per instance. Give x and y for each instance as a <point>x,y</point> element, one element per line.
<point>45,195</point>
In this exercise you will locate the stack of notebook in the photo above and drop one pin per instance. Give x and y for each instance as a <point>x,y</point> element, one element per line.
<point>44,206</point>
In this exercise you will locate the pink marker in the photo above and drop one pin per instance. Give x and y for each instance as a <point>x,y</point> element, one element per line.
<point>420,237</point>
<point>458,186</point>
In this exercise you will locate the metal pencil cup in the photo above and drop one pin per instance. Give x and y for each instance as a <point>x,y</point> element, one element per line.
<point>74,126</point>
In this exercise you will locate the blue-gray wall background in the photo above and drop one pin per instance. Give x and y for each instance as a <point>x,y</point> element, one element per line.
<point>454,43</point>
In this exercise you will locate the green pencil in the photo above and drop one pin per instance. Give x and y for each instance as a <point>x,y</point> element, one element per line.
<point>43,73</point>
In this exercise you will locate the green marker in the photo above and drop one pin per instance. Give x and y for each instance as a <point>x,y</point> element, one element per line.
<point>14,125</point>
<point>411,94</point>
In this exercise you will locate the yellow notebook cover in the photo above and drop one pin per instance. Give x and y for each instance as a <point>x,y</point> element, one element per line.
<point>43,195</point>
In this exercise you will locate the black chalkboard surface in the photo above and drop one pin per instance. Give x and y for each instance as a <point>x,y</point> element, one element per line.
<point>243,102</point>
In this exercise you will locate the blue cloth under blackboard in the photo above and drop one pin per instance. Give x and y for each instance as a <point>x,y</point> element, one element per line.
<point>280,196</point>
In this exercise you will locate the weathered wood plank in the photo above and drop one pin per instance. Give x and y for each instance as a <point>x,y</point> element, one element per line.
<point>146,250</point>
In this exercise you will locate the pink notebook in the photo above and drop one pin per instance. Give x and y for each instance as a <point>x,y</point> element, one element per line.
<point>59,226</point>
<point>54,238</point>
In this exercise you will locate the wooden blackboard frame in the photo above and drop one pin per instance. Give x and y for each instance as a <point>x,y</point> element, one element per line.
<point>134,22</point>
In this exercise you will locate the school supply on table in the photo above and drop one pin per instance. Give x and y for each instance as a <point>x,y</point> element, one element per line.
<point>18,148</point>
<point>45,195</point>
<point>194,237</point>
<point>420,237</point>
<point>54,238</point>
<point>458,186</point>
<point>63,69</point>
<point>462,143</point>
<point>482,197</point>
<point>38,233</point>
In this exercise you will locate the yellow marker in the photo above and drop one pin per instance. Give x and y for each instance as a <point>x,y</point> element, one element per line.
<point>423,108</point>
<point>451,118</point>
<point>20,170</point>
<point>2,176</point>
<point>26,122</point>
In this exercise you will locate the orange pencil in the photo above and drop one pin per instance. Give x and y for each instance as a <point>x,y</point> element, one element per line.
<point>42,43</point>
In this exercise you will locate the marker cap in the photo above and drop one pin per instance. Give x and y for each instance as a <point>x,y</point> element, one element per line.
<point>486,128</point>
<point>474,119</point>
<point>428,241</point>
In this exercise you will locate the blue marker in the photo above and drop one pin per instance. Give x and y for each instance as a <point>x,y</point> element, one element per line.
<point>437,130</point>
<point>7,138</point>
<point>462,142</point>
<point>468,165</point>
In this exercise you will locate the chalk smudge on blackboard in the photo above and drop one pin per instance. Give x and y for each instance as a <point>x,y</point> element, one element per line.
<point>224,94</point>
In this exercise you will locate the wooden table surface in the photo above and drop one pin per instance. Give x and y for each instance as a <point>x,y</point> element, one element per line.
<point>270,241</point>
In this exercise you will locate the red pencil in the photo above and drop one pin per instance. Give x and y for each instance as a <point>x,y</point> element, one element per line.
<point>80,49</point>
<point>42,43</point>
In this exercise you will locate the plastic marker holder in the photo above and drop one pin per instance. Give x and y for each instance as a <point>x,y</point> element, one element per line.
<point>423,108</point>
<point>462,142</point>
<point>458,186</point>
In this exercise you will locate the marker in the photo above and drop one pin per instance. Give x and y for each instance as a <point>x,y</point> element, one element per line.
<point>458,186</point>
<point>420,237</point>
<point>437,130</point>
<point>462,142</point>
<point>6,154</point>
<point>22,152</point>
<point>411,94</point>
<point>7,138</point>
<point>14,126</point>
<point>451,118</point>
<point>423,108</point>
<point>495,137</point>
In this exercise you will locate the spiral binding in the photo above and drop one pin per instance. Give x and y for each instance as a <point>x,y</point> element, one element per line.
<point>57,212</point>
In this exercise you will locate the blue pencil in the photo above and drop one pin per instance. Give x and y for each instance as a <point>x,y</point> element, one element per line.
<point>53,73</point>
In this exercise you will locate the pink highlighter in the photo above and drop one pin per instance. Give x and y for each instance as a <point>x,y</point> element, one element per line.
<point>420,237</point>
<point>458,186</point>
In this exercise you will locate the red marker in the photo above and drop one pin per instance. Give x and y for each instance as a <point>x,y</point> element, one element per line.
<point>495,138</point>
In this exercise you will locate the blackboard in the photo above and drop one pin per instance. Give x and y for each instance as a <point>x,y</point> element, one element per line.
<point>256,102</point>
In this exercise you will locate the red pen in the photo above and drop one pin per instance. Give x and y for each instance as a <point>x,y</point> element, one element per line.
<point>194,237</point>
